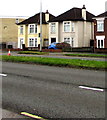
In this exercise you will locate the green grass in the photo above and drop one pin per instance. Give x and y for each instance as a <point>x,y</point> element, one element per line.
<point>58,62</point>
<point>32,52</point>
<point>87,55</point>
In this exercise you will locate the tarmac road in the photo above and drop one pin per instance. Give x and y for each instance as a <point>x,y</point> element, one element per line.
<point>53,92</point>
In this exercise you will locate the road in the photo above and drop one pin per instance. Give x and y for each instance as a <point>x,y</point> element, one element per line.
<point>53,92</point>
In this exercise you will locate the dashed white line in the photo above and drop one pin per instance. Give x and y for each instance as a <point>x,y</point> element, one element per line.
<point>4,75</point>
<point>90,88</point>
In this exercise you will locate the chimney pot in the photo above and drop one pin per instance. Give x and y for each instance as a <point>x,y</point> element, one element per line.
<point>84,7</point>
<point>47,11</point>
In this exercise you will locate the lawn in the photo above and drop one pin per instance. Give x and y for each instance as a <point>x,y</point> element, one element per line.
<point>33,52</point>
<point>73,63</point>
<point>87,55</point>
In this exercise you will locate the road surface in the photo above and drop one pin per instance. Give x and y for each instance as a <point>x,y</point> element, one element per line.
<point>53,92</point>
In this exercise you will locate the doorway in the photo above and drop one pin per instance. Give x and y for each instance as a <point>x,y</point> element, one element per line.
<point>53,40</point>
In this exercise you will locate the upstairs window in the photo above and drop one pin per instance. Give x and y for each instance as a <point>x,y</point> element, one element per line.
<point>72,27</point>
<point>32,29</point>
<point>100,25</point>
<point>53,28</point>
<point>21,29</point>
<point>67,26</point>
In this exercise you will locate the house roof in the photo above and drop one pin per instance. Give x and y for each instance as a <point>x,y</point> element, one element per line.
<point>103,14</point>
<point>36,19</point>
<point>74,14</point>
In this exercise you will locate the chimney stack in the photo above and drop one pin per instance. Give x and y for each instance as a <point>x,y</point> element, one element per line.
<point>84,12</point>
<point>47,16</point>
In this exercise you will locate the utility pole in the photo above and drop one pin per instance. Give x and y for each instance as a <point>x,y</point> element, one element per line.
<point>40,25</point>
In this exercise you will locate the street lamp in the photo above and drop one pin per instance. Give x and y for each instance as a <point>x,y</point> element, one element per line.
<point>40,25</point>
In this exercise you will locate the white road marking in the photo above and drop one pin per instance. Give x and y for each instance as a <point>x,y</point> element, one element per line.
<point>32,116</point>
<point>4,75</point>
<point>90,88</point>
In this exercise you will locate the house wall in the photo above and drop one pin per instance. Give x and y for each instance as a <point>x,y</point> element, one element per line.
<point>55,35</point>
<point>63,34</point>
<point>9,31</point>
<point>105,29</point>
<point>100,33</point>
<point>82,34</point>
<point>26,35</point>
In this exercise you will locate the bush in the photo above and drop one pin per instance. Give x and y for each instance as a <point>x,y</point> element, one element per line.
<point>64,46</point>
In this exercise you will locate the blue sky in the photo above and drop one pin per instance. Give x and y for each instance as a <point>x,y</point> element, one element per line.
<point>55,7</point>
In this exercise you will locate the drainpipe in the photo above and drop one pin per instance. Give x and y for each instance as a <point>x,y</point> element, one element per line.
<point>84,26</point>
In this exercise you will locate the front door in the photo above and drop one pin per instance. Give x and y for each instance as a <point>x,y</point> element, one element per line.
<point>53,40</point>
<point>21,42</point>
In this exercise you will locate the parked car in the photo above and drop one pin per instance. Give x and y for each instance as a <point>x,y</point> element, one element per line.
<point>52,46</point>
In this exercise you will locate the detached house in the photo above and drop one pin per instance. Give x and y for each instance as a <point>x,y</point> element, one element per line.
<point>29,31</point>
<point>75,27</point>
<point>100,32</point>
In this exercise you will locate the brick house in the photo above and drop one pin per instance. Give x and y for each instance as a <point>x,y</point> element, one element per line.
<point>100,33</point>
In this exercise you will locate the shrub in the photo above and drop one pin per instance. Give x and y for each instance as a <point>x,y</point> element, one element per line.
<point>64,46</point>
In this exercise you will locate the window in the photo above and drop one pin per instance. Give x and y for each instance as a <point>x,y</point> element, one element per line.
<point>67,40</point>
<point>67,26</point>
<point>72,27</point>
<point>33,29</point>
<point>72,42</point>
<point>21,29</point>
<point>100,25</point>
<point>32,42</point>
<point>53,28</point>
<point>100,41</point>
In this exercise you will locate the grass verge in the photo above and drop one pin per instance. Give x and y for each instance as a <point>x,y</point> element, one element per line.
<point>87,55</point>
<point>32,52</point>
<point>75,63</point>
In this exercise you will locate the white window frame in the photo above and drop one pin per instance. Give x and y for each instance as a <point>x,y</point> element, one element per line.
<point>65,25</point>
<point>72,41</point>
<point>67,40</point>
<point>100,25</point>
<point>34,39</point>
<point>73,27</point>
<point>34,28</point>
<point>21,30</point>
<point>53,28</point>
<point>100,38</point>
